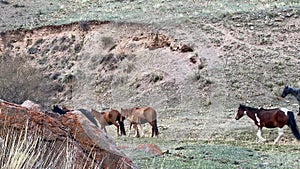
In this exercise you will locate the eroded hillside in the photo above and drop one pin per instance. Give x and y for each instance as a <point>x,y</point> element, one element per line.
<point>198,70</point>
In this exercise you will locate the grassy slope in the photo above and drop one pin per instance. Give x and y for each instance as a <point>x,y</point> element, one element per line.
<point>160,13</point>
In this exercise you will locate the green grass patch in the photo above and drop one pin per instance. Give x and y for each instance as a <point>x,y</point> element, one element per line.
<point>214,154</point>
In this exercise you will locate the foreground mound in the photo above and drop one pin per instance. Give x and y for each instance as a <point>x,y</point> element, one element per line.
<point>73,141</point>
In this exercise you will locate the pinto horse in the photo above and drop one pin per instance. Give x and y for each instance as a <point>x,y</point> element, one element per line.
<point>270,118</point>
<point>108,118</point>
<point>140,116</point>
<point>293,91</point>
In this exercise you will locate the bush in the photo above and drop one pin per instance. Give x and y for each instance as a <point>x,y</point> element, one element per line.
<point>19,81</point>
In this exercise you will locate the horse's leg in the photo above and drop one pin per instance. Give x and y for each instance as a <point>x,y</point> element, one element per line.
<point>142,130</point>
<point>280,133</point>
<point>130,129</point>
<point>118,126</point>
<point>152,126</point>
<point>261,139</point>
<point>299,109</point>
<point>137,130</point>
<point>103,128</point>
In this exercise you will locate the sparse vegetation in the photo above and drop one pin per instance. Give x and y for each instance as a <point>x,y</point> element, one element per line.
<point>107,42</point>
<point>154,77</point>
<point>19,81</point>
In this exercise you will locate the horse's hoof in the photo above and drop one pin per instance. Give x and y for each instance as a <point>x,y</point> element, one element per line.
<point>261,140</point>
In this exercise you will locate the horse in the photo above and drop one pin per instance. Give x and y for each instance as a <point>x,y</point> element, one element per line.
<point>100,120</point>
<point>293,91</point>
<point>137,115</point>
<point>270,118</point>
<point>59,110</point>
<point>108,118</point>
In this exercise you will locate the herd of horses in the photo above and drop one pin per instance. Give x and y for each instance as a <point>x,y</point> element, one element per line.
<point>136,116</point>
<point>269,118</point>
<point>272,118</point>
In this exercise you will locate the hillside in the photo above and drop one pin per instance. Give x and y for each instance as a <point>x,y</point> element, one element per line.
<point>193,62</point>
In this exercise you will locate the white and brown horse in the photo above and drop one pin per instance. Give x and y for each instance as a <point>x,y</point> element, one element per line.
<point>139,115</point>
<point>270,118</point>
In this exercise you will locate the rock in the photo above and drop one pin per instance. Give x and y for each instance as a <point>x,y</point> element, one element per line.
<point>92,145</point>
<point>32,106</point>
<point>150,148</point>
<point>180,47</point>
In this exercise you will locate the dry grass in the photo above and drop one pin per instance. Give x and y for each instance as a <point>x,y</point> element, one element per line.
<point>19,150</point>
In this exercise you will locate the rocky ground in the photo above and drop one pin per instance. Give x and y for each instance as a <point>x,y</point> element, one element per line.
<point>195,67</point>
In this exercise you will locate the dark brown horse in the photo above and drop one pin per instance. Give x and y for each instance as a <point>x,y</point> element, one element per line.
<point>108,118</point>
<point>63,110</point>
<point>59,110</point>
<point>139,115</point>
<point>293,91</point>
<point>270,118</point>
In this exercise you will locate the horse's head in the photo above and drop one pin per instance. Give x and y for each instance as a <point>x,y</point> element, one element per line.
<point>241,112</point>
<point>122,118</point>
<point>285,91</point>
<point>55,108</point>
<point>124,113</point>
<point>96,113</point>
<point>58,110</point>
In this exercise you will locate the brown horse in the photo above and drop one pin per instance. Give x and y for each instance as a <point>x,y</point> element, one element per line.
<point>108,118</point>
<point>270,118</point>
<point>138,115</point>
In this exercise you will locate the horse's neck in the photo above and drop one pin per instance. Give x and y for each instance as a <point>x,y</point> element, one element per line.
<point>134,116</point>
<point>128,112</point>
<point>293,91</point>
<point>252,114</point>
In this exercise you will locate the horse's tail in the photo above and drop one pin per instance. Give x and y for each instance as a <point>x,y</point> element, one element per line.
<point>122,126</point>
<point>155,127</point>
<point>293,125</point>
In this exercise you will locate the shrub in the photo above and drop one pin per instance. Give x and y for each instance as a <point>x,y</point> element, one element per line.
<point>19,81</point>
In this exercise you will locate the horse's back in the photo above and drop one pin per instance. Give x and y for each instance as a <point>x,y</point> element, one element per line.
<point>114,112</point>
<point>114,115</point>
<point>149,113</point>
<point>274,117</point>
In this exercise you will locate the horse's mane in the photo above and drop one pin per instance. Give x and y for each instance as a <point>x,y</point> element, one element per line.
<point>256,109</point>
<point>250,108</point>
